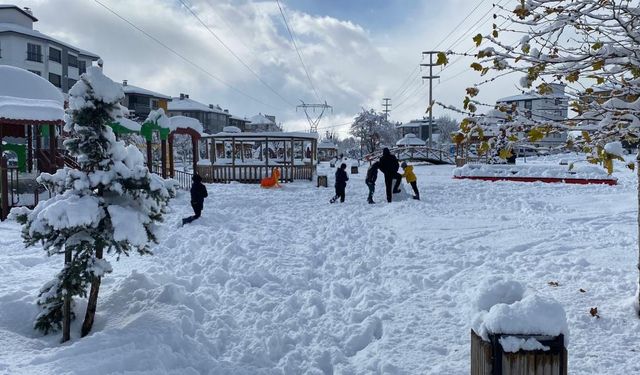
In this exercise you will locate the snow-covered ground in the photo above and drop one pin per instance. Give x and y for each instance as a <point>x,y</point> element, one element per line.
<point>282,282</point>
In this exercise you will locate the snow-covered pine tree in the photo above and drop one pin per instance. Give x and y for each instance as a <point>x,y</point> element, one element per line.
<point>111,203</point>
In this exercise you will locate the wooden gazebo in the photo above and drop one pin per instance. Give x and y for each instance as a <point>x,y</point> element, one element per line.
<point>287,151</point>
<point>31,108</point>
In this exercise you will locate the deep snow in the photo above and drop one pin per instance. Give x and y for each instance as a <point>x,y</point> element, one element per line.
<point>282,282</point>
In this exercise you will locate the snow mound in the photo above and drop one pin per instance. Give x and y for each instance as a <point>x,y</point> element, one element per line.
<point>513,344</point>
<point>505,307</point>
<point>550,171</point>
<point>615,148</point>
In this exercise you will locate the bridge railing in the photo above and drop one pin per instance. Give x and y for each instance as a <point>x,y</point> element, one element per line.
<point>416,153</point>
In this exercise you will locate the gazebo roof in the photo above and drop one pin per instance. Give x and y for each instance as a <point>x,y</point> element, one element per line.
<point>26,98</point>
<point>410,140</point>
<point>185,122</point>
<point>264,135</point>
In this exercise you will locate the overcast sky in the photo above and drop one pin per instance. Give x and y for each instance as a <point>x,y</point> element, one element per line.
<point>356,51</point>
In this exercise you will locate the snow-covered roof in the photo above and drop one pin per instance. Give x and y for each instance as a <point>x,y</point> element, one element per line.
<point>12,27</point>
<point>12,6</point>
<point>231,129</point>
<point>239,118</point>
<point>187,104</point>
<point>529,96</point>
<point>260,119</point>
<point>263,135</point>
<point>327,145</point>
<point>27,96</point>
<point>128,123</point>
<point>410,140</point>
<point>186,123</point>
<point>131,89</point>
<point>414,124</point>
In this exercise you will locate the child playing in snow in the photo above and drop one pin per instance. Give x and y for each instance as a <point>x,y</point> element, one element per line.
<point>198,194</point>
<point>341,183</point>
<point>411,178</point>
<point>370,180</point>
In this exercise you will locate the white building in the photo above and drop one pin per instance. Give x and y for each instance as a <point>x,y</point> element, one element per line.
<point>23,47</point>
<point>420,128</point>
<point>263,123</point>
<point>539,108</point>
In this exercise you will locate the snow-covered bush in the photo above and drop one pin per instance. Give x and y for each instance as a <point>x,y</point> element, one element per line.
<point>111,203</point>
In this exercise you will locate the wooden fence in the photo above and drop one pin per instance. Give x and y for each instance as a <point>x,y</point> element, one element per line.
<point>252,174</point>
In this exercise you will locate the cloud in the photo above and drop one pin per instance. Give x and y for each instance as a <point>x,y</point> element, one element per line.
<point>351,66</point>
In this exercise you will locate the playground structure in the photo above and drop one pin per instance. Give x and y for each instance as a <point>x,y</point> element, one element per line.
<point>250,157</point>
<point>327,150</point>
<point>31,111</point>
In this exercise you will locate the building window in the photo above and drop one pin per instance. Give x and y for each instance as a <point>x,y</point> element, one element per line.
<point>55,79</point>
<point>154,104</point>
<point>73,61</point>
<point>71,82</point>
<point>36,72</point>
<point>558,101</point>
<point>55,55</point>
<point>527,104</point>
<point>82,66</point>
<point>34,52</point>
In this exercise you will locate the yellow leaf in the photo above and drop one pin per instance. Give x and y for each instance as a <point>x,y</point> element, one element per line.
<point>535,135</point>
<point>442,59</point>
<point>484,147</point>
<point>472,91</point>
<point>478,39</point>
<point>475,66</point>
<point>608,165</point>
<point>596,46</point>
<point>495,33</point>
<point>586,136</point>
<point>544,88</point>
<point>631,166</point>
<point>598,65</point>
<point>458,138</point>
<point>573,76</point>
<point>505,154</point>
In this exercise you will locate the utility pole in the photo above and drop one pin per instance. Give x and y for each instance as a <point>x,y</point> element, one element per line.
<point>430,77</point>
<point>386,109</point>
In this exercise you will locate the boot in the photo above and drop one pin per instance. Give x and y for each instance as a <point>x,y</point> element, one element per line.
<point>370,201</point>
<point>333,200</point>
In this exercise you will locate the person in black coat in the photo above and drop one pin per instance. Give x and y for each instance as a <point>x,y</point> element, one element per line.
<point>341,183</point>
<point>198,194</point>
<point>370,180</point>
<point>389,166</point>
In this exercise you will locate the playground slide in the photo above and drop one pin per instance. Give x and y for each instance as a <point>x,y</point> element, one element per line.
<point>271,181</point>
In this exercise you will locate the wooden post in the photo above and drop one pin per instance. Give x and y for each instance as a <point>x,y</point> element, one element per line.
<point>214,150</point>
<point>52,148</point>
<point>196,153</point>
<point>149,156</point>
<point>267,155</point>
<point>233,157</point>
<point>172,168</point>
<point>242,151</point>
<point>4,186</point>
<point>29,148</point>
<point>163,157</point>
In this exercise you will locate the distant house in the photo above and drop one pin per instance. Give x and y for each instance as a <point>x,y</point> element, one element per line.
<point>213,118</point>
<point>21,46</point>
<point>240,123</point>
<point>420,128</point>
<point>262,123</point>
<point>549,107</point>
<point>141,101</point>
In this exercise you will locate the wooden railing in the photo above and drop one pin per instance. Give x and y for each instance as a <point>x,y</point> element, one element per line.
<point>416,153</point>
<point>184,179</point>
<point>252,174</point>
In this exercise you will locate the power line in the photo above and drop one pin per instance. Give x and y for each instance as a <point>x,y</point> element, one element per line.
<point>188,61</point>
<point>233,53</point>
<point>459,24</point>
<point>295,45</point>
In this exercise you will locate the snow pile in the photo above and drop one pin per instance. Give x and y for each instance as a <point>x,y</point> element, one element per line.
<point>410,139</point>
<point>615,148</point>
<point>231,129</point>
<point>27,96</point>
<point>159,118</point>
<point>513,344</point>
<point>542,171</point>
<point>185,122</point>
<point>506,307</point>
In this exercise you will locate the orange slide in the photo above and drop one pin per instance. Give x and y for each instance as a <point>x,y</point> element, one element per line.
<point>271,181</point>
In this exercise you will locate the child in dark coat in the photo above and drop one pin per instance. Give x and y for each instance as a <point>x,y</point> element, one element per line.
<point>341,183</point>
<point>370,180</point>
<point>198,194</point>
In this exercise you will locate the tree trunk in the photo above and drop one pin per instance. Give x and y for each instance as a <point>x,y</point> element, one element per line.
<point>66,307</point>
<point>93,301</point>
<point>638,223</point>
